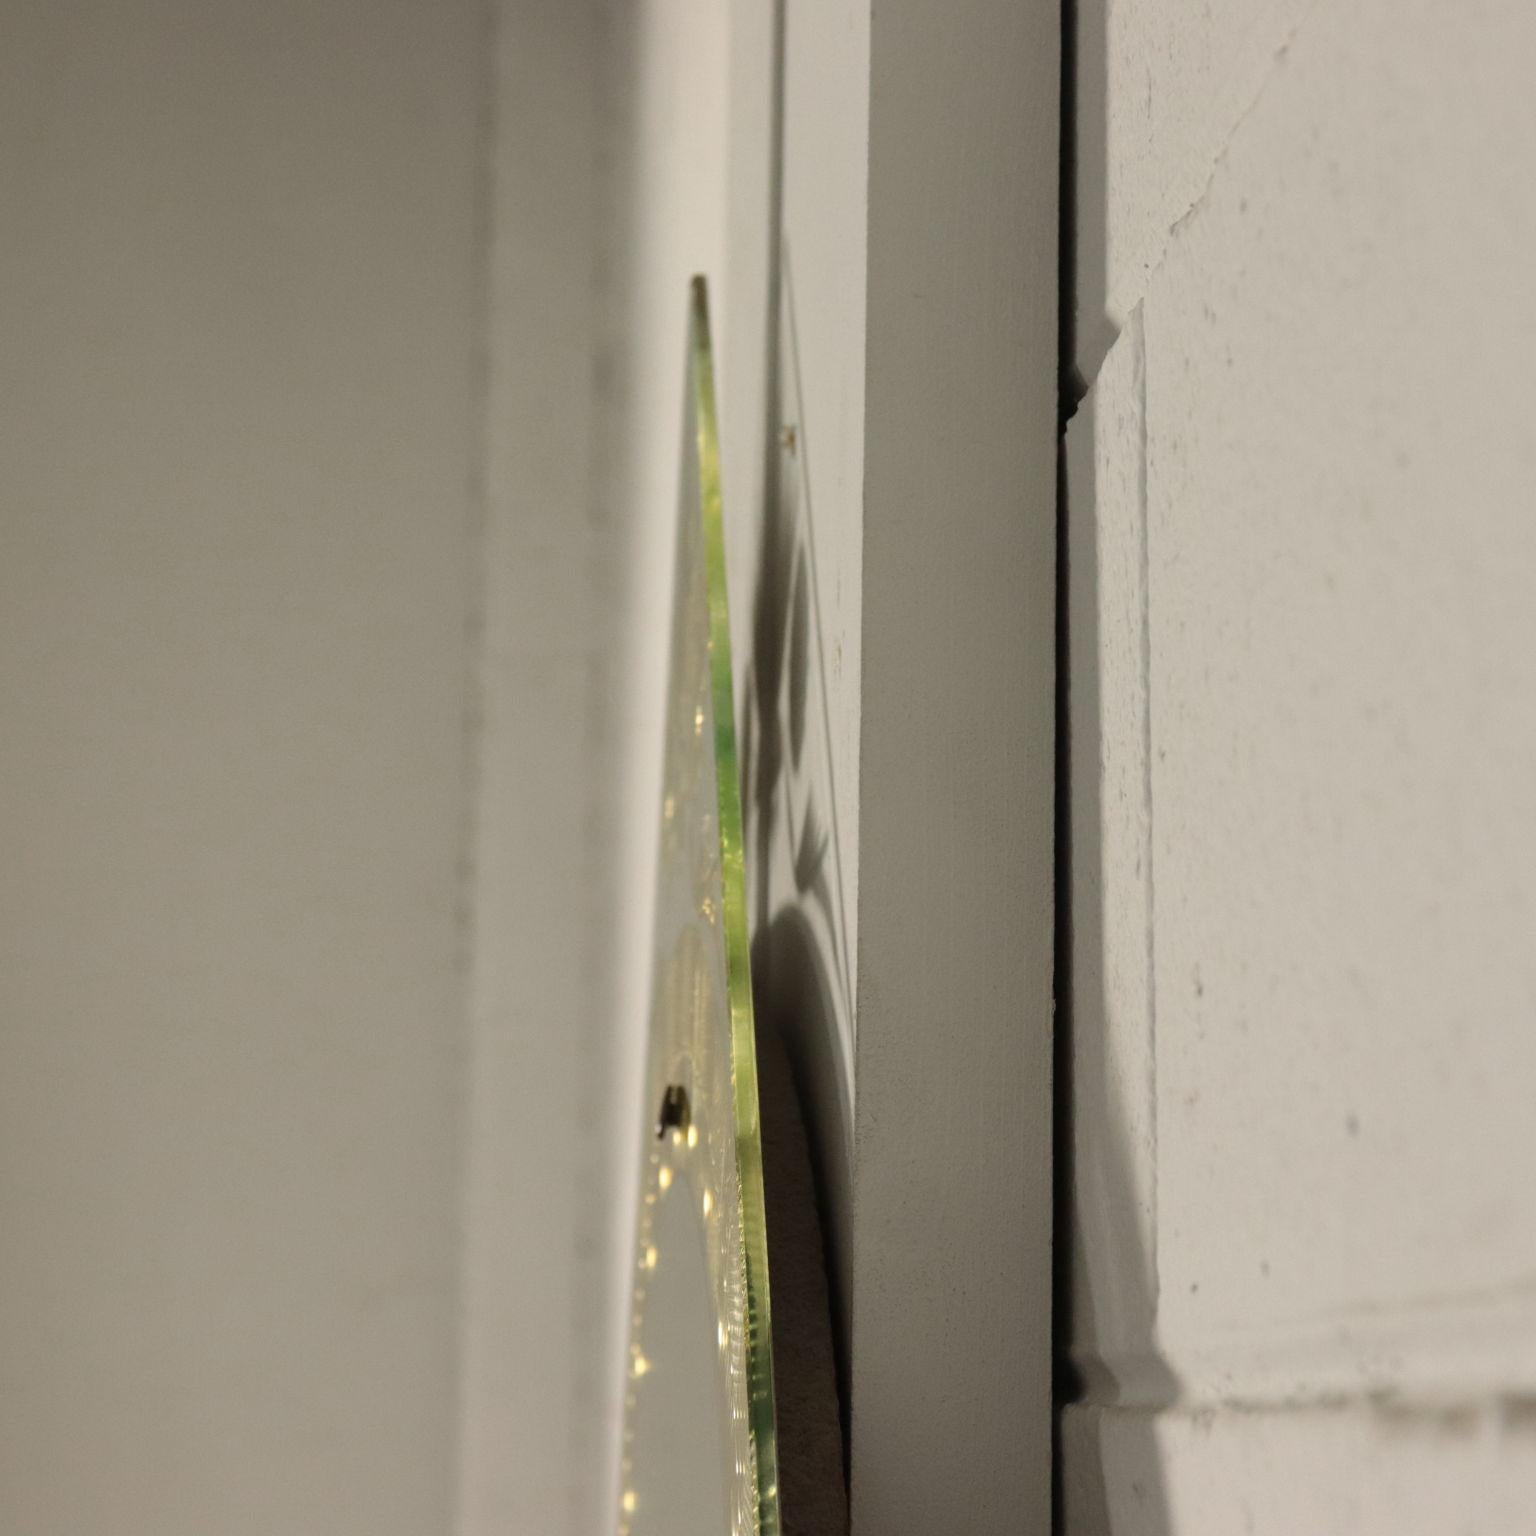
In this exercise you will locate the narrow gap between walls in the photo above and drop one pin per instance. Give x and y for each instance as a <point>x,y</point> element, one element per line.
<point>1070,389</point>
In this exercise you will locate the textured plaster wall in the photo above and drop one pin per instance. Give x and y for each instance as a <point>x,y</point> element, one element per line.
<point>1303,713</point>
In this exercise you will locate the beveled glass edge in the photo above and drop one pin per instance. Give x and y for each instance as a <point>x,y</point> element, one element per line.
<point>749,1145</point>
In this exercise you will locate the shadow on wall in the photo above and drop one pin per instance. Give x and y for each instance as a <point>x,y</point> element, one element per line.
<point>795,966</point>
<point>1108,1476</point>
<point>800,971</point>
<point>793,1013</point>
<point>1110,1379</point>
<point>793,971</point>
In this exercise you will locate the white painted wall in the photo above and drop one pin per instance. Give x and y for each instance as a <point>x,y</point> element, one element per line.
<point>1304,816</point>
<point>913,356</point>
<point>952,1202</point>
<point>793,414</point>
<point>913,346</point>
<point>342,392</point>
<point>825,217</point>
<point>536,1406</point>
<point>608,193</point>
<point>239,285</point>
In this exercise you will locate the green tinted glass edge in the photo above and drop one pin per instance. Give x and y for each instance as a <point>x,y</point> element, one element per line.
<point>749,1145</point>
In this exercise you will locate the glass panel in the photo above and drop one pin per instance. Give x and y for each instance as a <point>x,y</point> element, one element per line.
<point>699,1445</point>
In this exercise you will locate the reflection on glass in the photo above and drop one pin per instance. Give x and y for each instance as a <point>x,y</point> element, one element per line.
<point>699,1448</point>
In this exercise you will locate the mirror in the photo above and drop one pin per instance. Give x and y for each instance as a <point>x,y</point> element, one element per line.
<point>700,1450</point>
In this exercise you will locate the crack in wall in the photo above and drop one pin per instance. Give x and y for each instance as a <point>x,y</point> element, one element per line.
<point>1219,159</point>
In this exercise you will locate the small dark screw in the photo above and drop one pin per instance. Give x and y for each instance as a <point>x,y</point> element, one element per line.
<point>674,1114</point>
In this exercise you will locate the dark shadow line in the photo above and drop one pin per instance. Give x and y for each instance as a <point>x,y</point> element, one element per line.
<point>1065,1386</point>
<point>1108,1457</point>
